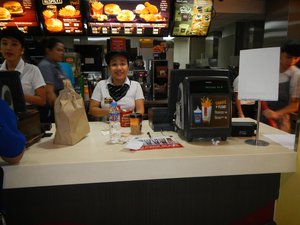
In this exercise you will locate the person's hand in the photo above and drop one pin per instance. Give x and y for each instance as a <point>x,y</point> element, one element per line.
<point>241,115</point>
<point>270,114</point>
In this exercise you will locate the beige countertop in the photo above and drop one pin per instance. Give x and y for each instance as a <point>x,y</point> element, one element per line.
<point>94,160</point>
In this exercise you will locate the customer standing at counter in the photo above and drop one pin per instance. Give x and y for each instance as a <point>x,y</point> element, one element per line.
<point>277,113</point>
<point>127,93</point>
<point>53,75</point>
<point>12,48</point>
<point>12,142</point>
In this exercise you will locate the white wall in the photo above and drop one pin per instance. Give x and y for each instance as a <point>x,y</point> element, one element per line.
<point>182,51</point>
<point>226,46</point>
<point>197,49</point>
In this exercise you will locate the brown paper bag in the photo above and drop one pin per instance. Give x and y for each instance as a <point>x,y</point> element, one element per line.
<point>70,117</point>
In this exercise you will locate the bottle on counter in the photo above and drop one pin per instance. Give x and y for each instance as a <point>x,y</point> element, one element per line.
<point>114,123</point>
<point>86,93</point>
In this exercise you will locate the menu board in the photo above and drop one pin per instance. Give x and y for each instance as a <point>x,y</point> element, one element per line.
<point>21,14</point>
<point>192,17</point>
<point>134,17</point>
<point>61,16</point>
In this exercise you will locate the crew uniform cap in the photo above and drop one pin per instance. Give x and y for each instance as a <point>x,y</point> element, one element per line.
<point>112,54</point>
<point>13,32</point>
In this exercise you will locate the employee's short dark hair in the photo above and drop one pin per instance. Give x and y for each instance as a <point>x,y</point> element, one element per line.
<point>291,47</point>
<point>113,54</point>
<point>50,42</point>
<point>13,32</point>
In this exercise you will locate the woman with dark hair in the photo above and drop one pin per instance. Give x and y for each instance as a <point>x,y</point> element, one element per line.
<point>127,93</point>
<point>12,48</point>
<point>52,73</point>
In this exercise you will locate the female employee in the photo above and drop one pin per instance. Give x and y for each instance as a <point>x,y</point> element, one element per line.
<point>12,49</point>
<point>52,74</point>
<point>128,94</point>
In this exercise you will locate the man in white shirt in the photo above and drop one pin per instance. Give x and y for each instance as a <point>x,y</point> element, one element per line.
<point>277,114</point>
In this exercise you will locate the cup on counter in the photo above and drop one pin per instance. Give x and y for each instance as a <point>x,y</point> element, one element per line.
<point>136,123</point>
<point>124,117</point>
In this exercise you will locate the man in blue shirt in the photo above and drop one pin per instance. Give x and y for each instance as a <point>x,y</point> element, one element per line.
<point>67,69</point>
<point>12,141</point>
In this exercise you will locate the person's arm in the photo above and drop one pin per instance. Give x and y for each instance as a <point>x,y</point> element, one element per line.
<point>50,95</point>
<point>239,106</point>
<point>139,106</point>
<point>96,110</point>
<point>39,98</point>
<point>13,160</point>
<point>291,107</point>
<point>12,141</point>
<point>139,100</point>
<point>269,114</point>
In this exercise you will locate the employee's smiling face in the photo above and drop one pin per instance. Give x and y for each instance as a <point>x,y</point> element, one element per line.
<point>11,49</point>
<point>118,68</point>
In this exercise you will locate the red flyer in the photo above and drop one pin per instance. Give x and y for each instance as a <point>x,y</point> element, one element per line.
<point>160,142</point>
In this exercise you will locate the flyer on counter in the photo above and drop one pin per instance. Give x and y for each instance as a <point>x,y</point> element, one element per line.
<point>160,142</point>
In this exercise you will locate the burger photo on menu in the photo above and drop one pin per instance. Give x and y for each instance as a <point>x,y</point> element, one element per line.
<point>112,9</point>
<point>125,16</point>
<point>14,7</point>
<point>4,14</point>
<point>54,25</point>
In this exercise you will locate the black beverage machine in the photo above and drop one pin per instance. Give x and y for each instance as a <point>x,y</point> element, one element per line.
<point>203,107</point>
<point>28,119</point>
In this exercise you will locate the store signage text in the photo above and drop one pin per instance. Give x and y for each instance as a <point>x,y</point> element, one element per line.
<point>47,2</point>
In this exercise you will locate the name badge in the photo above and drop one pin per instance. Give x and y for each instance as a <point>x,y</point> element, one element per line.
<point>108,100</point>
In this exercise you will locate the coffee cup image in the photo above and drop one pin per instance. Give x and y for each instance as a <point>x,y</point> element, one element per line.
<point>185,16</point>
<point>183,28</point>
<point>205,19</point>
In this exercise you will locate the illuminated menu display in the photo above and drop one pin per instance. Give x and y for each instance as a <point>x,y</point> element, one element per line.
<point>21,14</point>
<point>138,18</point>
<point>61,16</point>
<point>192,17</point>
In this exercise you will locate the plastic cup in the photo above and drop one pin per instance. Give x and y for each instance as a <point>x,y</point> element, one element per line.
<point>136,123</point>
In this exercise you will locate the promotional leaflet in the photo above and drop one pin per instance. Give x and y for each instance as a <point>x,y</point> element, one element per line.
<point>192,17</point>
<point>210,111</point>
<point>159,142</point>
<point>61,16</point>
<point>19,13</point>
<point>138,18</point>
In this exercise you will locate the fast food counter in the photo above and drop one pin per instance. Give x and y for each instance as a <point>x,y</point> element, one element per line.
<point>93,180</point>
<point>93,160</point>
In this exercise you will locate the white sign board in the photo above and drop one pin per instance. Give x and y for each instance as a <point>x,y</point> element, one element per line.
<point>259,74</point>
